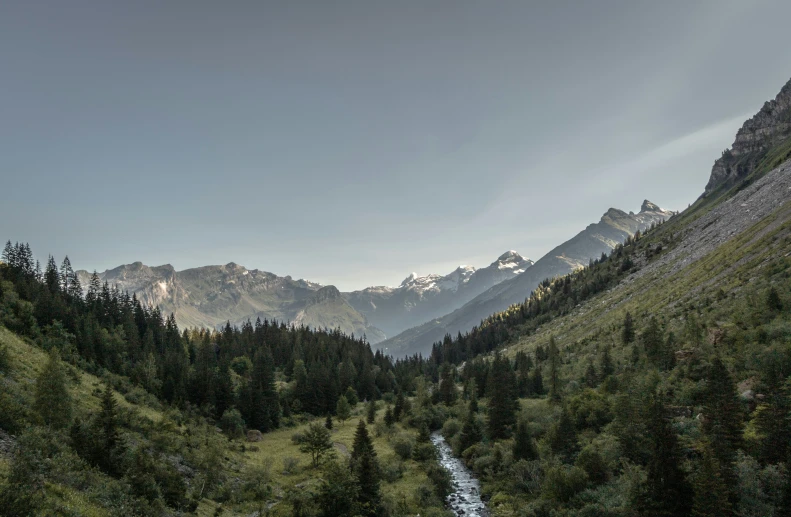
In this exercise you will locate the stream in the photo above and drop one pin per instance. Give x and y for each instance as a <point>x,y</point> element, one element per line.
<point>465,500</point>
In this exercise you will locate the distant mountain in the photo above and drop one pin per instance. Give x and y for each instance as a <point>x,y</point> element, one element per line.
<point>762,143</point>
<point>420,298</point>
<point>601,237</point>
<point>211,295</point>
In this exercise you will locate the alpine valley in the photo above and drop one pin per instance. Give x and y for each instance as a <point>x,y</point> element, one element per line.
<point>212,296</point>
<point>641,368</point>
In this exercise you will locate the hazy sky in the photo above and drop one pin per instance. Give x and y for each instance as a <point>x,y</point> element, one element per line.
<point>351,143</point>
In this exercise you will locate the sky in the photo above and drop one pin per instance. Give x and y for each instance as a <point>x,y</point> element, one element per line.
<point>351,143</point>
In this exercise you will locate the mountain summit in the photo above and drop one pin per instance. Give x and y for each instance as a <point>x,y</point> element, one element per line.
<point>601,237</point>
<point>762,143</point>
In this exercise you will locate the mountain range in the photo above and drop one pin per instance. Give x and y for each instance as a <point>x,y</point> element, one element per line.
<point>601,237</point>
<point>419,310</point>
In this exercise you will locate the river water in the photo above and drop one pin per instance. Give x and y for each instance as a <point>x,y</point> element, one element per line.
<point>465,500</point>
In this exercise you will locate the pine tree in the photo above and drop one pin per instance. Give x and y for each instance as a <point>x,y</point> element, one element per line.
<point>606,368</point>
<point>52,398</point>
<point>371,412</point>
<point>389,419</point>
<point>712,494</point>
<point>627,333</point>
<point>398,409</point>
<point>365,468</point>
<point>503,398</point>
<point>652,341</point>
<point>667,491</point>
<point>591,378</point>
<point>339,493</point>
<point>723,421</point>
<point>470,432</point>
<point>524,448</point>
<point>328,422</point>
<point>109,446</point>
<point>343,410</point>
<point>563,437</point>
<point>447,386</point>
<point>554,366</point>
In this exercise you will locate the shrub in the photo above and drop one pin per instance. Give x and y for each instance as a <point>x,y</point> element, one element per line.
<point>561,483</point>
<point>403,446</point>
<point>392,471</point>
<point>424,452</point>
<point>526,475</point>
<point>232,423</point>
<point>5,359</point>
<point>290,465</point>
<point>440,478</point>
<point>451,428</point>
<point>593,464</point>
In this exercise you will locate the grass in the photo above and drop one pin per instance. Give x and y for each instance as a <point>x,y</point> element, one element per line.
<point>277,446</point>
<point>729,267</point>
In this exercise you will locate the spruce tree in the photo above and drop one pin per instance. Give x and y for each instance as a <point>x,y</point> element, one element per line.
<point>447,386</point>
<point>343,410</point>
<point>389,419</point>
<point>52,398</point>
<point>328,422</point>
<point>554,367</point>
<point>524,448</point>
<point>723,421</point>
<point>371,412</point>
<point>606,367</point>
<point>563,437</point>
<point>365,468</point>
<point>470,432</point>
<point>652,341</point>
<point>109,445</point>
<point>667,491</point>
<point>627,332</point>
<point>712,493</point>
<point>398,408</point>
<point>503,398</point>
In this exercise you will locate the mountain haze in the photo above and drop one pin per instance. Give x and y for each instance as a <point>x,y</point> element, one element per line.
<point>419,299</point>
<point>601,237</point>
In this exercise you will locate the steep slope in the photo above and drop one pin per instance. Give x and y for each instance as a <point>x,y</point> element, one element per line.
<point>762,143</point>
<point>420,298</point>
<point>601,237</point>
<point>212,295</point>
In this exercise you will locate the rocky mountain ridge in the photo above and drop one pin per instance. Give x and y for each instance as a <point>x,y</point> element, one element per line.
<point>601,237</point>
<point>420,298</point>
<point>768,130</point>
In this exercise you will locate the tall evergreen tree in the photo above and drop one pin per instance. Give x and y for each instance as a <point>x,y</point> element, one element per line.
<point>667,491</point>
<point>365,468</point>
<point>524,447</point>
<point>52,398</point>
<point>554,367</point>
<point>627,332</point>
<point>723,421</point>
<point>343,410</point>
<point>470,432</point>
<point>712,494</point>
<point>503,398</point>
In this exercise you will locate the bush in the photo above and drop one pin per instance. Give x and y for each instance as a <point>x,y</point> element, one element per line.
<point>440,478</point>
<point>232,423</point>
<point>403,446</point>
<point>561,483</point>
<point>526,476</point>
<point>392,471</point>
<point>5,359</point>
<point>424,452</point>
<point>290,465</point>
<point>451,428</point>
<point>593,464</point>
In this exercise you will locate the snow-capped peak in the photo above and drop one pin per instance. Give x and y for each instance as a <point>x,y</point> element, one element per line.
<point>410,279</point>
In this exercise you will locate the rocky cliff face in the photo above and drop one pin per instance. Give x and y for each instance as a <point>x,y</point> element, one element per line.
<point>601,237</point>
<point>421,298</point>
<point>768,129</point>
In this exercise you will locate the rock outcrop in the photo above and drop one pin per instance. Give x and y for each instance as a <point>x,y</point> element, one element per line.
<point>768,129</point>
